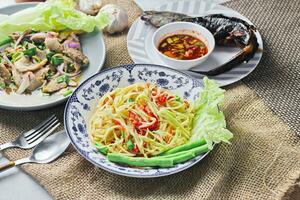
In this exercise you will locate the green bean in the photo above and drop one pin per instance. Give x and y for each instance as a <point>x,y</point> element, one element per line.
<point>182,158</point>
<point>102,149</point>
<point>140,162</point>
<point>196,151</point>
<point>184,147</point>
<point>6,41</point>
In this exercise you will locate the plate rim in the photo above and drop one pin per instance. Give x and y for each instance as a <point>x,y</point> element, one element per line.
<point>67,127</point>
<point>60,100</point>
<point>218,7</point>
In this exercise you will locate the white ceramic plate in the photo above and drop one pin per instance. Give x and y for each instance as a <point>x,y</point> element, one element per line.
<point>141,51</point>
<point>84,100</point>
<point>93,47</point>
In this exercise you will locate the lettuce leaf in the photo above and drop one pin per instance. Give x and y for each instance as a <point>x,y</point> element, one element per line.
<point>209,122</point>
<point>53,15</point>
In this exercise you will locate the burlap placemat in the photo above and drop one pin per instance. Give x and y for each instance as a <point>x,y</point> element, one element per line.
<point>263,161</point>
<point>276,79</point>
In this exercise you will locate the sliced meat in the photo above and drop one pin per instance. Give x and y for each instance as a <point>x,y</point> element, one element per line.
<point>15,35</point>
<point>42,72</point>
<point>16,75</point>
<point>77,56</point>
<point>25,82</point>
<point>38,37</point>
<point>5,74</point>
<point>53,44</point>
<point>35,83</point>
<point>24,65</point>
<point>54,86</point>
<point>10,50</point>
<point>38,79</point>
<point>72,48</point>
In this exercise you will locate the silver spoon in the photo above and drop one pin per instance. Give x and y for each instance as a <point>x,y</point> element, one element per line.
<point>45,152</point>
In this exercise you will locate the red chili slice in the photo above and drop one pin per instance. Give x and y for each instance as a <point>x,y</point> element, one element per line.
<point>135,150</point>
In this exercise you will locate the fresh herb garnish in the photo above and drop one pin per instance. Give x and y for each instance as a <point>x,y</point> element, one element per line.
<point>56,61</point>
<point>63,79</point>
<point>30,52</point>
<point>49,56</point>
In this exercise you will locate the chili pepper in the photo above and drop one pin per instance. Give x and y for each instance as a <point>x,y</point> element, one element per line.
<point>135,150</point>
<point>160,100</point>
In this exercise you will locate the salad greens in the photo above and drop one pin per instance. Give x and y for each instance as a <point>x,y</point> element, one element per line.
<point>53,15</point>
<point>209,121</point>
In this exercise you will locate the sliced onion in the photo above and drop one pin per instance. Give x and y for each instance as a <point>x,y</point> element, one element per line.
<point>60,70</point>
<point>74,45</point>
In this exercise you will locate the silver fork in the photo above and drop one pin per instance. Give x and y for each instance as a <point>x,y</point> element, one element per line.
<point>31,138</point>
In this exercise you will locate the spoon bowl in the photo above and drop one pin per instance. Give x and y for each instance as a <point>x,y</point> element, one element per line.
<point>51,148</point>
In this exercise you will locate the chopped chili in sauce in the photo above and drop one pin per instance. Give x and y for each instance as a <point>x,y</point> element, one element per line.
<point>183,47</point>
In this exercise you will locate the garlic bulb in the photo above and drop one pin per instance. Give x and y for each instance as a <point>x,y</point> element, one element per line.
<point>118,16</point>
<point>89,7</point>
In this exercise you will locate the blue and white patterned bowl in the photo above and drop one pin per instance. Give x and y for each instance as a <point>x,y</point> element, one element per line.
<point>81,104</point>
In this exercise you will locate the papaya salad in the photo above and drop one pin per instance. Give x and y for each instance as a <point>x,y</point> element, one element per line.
<point>147,126</point>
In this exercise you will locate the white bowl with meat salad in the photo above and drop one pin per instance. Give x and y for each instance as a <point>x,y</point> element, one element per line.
<point>183,45</point>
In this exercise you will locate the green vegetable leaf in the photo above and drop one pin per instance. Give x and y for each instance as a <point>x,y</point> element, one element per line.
<point>209,122</point>
<point>54,15</point>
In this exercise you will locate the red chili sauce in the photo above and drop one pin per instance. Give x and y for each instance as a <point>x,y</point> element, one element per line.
<point>183,47</point>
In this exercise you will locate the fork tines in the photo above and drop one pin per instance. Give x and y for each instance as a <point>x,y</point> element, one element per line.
<point>43,129</point>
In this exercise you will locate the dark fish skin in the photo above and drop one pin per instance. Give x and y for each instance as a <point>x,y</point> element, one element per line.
<point>159,19</point>
<point>227,31</point>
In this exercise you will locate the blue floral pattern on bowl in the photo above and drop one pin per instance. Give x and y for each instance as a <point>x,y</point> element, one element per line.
<point>84,99</point>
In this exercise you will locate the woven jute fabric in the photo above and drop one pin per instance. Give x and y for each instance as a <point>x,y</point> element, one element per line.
<point>262,161</point>
<point>277,78</point>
